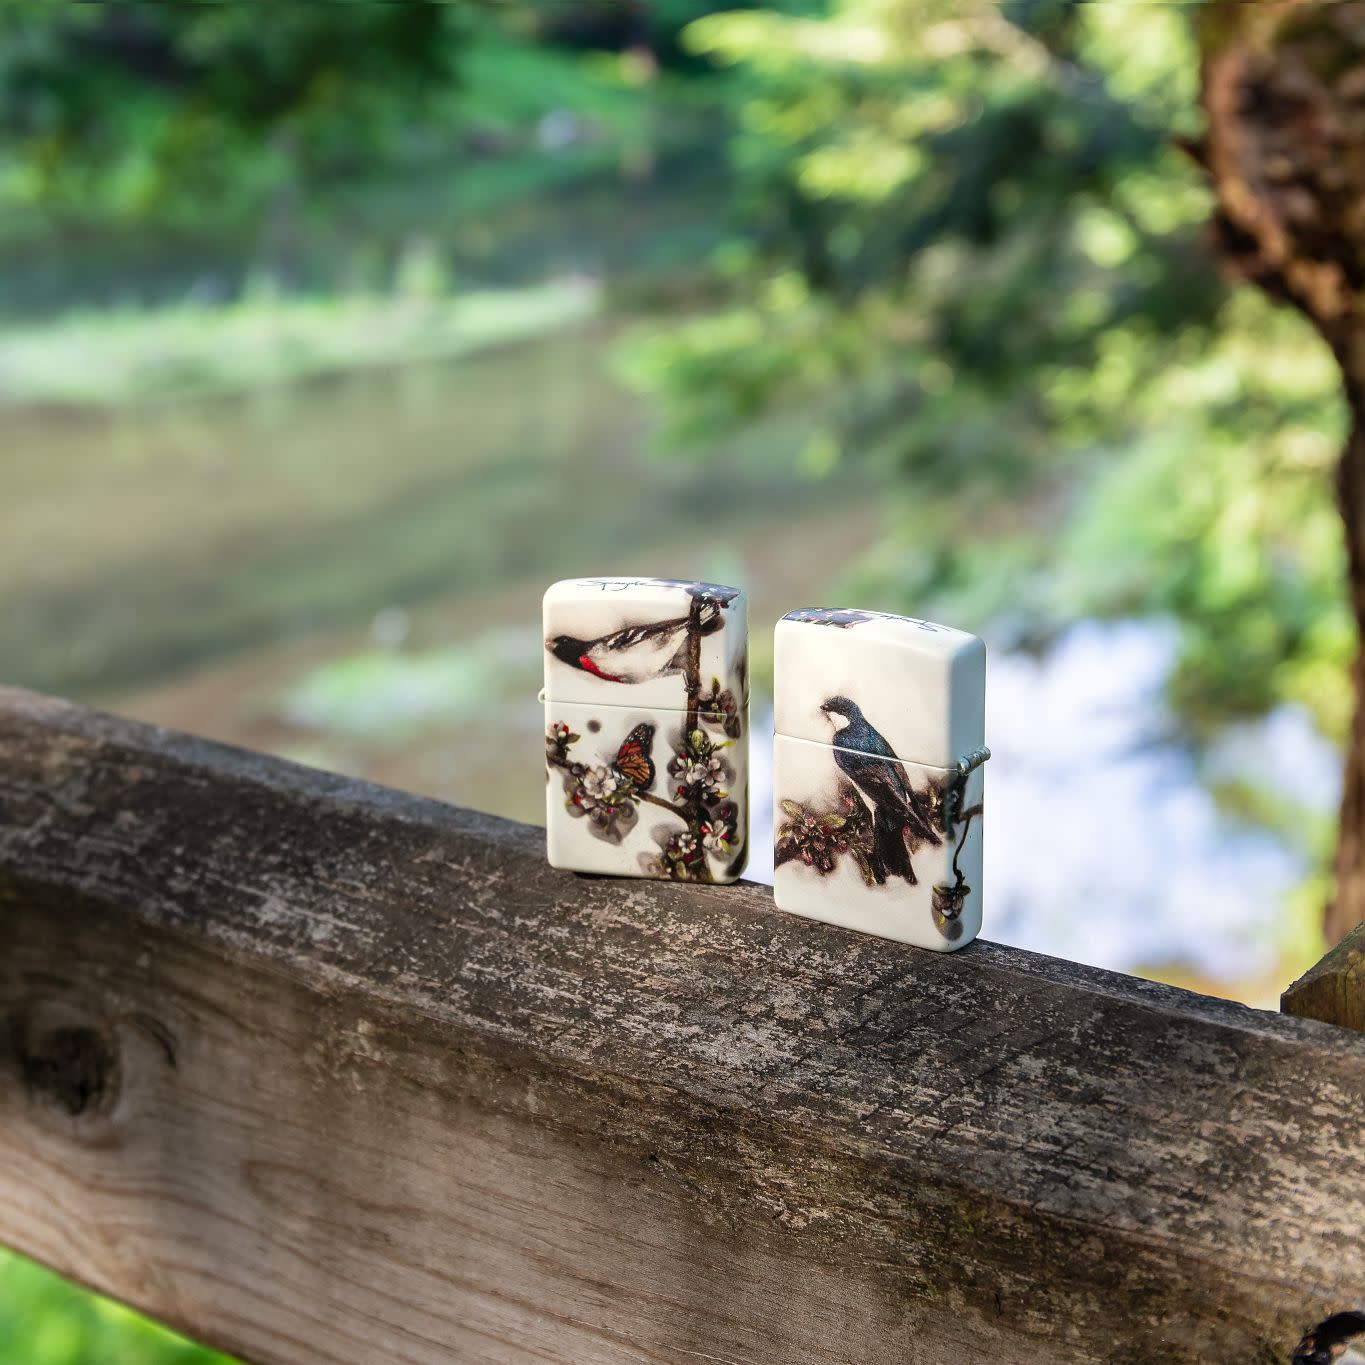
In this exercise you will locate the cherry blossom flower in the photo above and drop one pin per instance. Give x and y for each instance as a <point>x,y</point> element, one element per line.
<point>717,837</point>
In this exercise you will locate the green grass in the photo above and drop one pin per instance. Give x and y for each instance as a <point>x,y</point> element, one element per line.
<point>117,356</point>
<point>44,1320</point>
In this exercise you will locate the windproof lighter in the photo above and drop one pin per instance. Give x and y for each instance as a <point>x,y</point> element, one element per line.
<point>647,728</point>
<point>877,777</point>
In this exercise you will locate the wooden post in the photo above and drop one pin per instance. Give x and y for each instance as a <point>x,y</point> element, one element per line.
<point>1334,989</point>
<point>317,1071</point>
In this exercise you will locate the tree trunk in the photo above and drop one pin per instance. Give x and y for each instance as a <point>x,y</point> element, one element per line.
<point>1347,908</point>
<point>1284,95</point>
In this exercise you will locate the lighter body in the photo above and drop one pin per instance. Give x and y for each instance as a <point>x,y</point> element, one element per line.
<point>877,774</point>
<point>646,728</point>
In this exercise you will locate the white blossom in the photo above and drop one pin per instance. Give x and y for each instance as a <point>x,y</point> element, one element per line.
<point>599,783</point>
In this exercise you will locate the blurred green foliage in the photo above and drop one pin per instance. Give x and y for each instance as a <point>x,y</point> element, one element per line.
<point>970,248</point>
<point>198,115</point>
<point>134,109</point>
<point>964,254</point>
<point>46,1321</point>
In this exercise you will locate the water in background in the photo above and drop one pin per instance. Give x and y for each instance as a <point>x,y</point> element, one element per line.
<point>349,574</point>
<point>1103,843</point>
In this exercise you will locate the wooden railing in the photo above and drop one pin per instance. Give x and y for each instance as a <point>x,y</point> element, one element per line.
<point>318,1071</point>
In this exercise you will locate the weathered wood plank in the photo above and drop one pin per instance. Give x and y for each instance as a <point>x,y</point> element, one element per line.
<point>319,1071</point>
<point>1333,989</point>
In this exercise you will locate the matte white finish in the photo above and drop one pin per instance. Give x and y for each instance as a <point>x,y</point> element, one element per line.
<point>807,776</point>
<point>646,714</point>
<point>597,833</point>
<point>924,683</point>
<point>587,610</point>
<point>872,713</point>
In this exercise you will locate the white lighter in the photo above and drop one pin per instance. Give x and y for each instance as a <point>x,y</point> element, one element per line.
<point>877,777</point>
<point>646,715</point>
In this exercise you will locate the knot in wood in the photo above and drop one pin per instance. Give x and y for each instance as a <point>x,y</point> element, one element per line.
<point>73,1067</point>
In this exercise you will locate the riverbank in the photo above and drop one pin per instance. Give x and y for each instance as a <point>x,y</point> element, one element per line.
<point>267,339</point>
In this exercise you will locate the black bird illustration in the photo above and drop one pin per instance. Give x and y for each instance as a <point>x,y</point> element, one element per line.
<point>637,653</point>
<point>902,817</point>
<point>1328,1340</point>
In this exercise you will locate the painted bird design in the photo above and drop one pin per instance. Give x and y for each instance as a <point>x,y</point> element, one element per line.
<point>902,818</point>
<point>637,653</point>
<point>1328,1340</point>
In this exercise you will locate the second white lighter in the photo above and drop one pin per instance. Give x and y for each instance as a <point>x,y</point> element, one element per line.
<point>877,775</point>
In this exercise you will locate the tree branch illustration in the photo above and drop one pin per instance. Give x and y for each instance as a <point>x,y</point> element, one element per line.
<point>578,769</point>
<point>820,836</point>
<point>711,821</point>
<point>692,668</point>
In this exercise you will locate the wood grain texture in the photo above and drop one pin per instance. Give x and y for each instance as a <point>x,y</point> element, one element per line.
<point>1333,990</point>
<point>318,1071</point>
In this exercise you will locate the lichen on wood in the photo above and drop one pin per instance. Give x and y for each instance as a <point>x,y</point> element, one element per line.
<point>313,1069</point>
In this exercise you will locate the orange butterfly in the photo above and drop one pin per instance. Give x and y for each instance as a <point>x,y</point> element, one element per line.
<point>632,758</point>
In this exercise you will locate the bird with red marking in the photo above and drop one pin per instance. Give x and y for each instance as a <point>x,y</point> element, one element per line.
<point>636,654</point>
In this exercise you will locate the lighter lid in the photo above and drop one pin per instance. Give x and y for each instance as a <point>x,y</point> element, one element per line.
<point>637,641</point>
<point>920,685</point>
